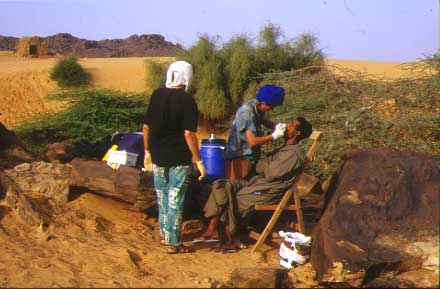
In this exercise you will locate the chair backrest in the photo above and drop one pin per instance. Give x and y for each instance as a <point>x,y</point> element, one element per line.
<point>315,136</point>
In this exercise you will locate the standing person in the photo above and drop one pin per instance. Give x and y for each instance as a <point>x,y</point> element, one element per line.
<point>246,135</point>
<point>170,144</point>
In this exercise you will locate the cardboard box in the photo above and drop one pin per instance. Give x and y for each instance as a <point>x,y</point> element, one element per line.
<point>122,158</point>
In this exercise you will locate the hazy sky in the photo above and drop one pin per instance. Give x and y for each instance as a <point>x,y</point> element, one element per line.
<point>382,30</point>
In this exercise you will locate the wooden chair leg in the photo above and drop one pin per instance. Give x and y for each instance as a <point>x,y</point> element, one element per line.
<point>299,214</point>
<point>272,220</point>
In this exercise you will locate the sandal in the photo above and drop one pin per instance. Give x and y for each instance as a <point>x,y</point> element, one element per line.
<point>204,239</point>
<point>162,242</point>
<point>181,249</point>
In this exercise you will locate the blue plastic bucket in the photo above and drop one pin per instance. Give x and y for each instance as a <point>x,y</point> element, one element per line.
<point>211,153</point>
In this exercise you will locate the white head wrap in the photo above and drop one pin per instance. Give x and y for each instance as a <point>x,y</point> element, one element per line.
<point>179,72</point>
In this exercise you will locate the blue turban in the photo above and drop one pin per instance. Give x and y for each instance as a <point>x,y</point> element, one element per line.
<point>271,94</point>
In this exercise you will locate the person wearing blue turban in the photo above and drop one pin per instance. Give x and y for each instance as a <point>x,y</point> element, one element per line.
<point>246,135</point>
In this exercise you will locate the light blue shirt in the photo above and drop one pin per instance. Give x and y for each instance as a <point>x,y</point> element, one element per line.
<point>247,117</point>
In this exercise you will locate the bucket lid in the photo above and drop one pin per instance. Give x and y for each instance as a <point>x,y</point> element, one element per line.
<point>214,141</point>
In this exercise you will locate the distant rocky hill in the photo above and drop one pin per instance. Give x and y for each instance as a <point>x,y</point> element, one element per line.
<point>135,45</point>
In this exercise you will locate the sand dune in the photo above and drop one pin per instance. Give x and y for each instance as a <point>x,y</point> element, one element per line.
<point>386,70</point>
<point>24,83</point>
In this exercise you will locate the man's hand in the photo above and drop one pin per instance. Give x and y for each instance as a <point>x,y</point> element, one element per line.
<point>280,128</point>
<point>148,165</point>
<point>201,169</point>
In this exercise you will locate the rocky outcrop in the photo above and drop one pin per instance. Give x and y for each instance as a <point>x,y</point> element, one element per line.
<point>8,42</point>
<point>136,45</point>
<point>59,152</point>
<point>382,216</point>
<point>48,180</point>
<point>12,151</point>
<point>36,190</point>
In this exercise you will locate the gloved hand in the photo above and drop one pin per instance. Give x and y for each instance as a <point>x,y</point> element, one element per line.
<point>148,165</point>
<point>282,125</point>
<point>201,169</point>
<point>280,128</point>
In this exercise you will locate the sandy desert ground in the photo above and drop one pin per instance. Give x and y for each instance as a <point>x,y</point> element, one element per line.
<point>100,242</point>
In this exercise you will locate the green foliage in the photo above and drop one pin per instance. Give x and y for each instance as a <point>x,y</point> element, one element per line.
<point>208,79</point>
<point>213,104</point>
<point>200,55</point>
<point>251,91</point>
<point>209,95</point>
<point>155,74</point>
<point>239,56</point>
<point>273,55</point>
<point>222,75</point>
<point>357,111</point>
<point>67,72</point>
<point>88,124</point>
<point>270,54</point>
<point>304,52</point>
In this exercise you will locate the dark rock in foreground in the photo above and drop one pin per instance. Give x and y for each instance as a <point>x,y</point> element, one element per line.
<point>382,216</point>
<point>258,278</point>
<point>12,151</point>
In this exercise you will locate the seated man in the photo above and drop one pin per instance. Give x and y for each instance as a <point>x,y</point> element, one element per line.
<point>235,199</point>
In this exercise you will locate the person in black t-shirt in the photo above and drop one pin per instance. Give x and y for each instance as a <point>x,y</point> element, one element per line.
<point>170,144</point>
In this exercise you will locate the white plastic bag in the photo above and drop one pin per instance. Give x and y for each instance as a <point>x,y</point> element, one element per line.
<point>295,249</point>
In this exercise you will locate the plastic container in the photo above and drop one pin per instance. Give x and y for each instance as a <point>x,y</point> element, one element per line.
<point>122,158</point>
<point>212,154</point>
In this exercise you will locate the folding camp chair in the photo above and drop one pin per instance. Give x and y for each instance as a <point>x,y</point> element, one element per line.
<point>293,190</point>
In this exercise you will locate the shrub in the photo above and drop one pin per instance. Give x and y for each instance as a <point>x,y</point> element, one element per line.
<point>67,72</point>
<point>210,96</point>
<point>270,55</point>
<point>155,74</point>
<point>304,52</point>
<point>203,52</point>
<point>208,79</point>
<point>222,75</point>
<point>251,91</point>
<point>239,56</point>
<point>357,111</point>
<point>88,124</point>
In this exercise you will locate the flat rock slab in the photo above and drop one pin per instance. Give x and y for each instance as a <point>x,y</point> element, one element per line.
<point>126,183</point>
